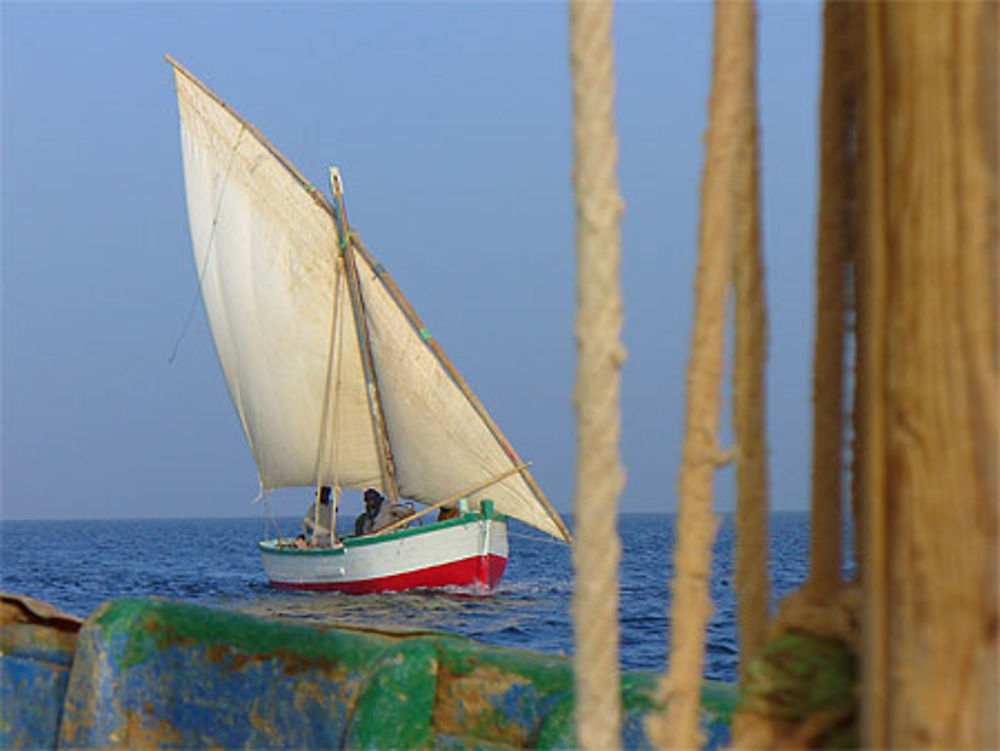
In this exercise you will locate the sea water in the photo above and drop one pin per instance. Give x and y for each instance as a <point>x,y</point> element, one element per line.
<point>76,565</point>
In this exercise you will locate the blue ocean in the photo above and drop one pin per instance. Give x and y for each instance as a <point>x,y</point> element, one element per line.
<point>76,565</point>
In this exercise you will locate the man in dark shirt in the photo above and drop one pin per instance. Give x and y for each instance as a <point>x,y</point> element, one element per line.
<point>365,524</point>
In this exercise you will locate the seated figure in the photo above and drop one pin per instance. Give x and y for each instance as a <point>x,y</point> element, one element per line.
<point>320,520</point>
<point>379,513</point>
<point>448,512</point>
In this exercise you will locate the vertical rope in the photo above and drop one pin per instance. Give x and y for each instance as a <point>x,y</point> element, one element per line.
<point>209,246</point>
<point>330,394</point>
<point>833,255</point>
<point>748,376</point>
<point>600,354</point>
<point>872,296</point>
<point>811,639</point>
<point>729,110</point>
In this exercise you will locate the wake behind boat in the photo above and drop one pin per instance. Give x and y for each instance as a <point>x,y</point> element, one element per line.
<point>337,382</point>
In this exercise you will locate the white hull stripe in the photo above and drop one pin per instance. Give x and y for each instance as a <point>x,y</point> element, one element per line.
<point>393,556</point>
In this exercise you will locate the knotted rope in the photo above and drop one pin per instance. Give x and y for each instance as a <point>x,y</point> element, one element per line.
<point>600,476</point>
<point>799,690</point>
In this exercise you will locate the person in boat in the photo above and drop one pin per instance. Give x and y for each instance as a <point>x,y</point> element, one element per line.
<point>309,521</point>
<point>379,512</point>
<point>365,524</point>
<point>447,512</point>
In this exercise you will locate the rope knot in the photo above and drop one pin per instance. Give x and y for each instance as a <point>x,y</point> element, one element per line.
<point>799,690</point>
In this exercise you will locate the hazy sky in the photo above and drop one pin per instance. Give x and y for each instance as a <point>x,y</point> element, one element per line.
<point>451,123</point>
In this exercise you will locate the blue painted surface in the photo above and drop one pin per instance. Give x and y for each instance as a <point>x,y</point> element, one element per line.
<point>155,674</point>
<point>34,671</point>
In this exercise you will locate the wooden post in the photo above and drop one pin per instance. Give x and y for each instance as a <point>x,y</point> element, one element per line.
<point>928,375</point>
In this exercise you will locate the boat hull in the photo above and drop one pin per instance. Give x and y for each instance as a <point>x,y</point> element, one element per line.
<point>470,552</point>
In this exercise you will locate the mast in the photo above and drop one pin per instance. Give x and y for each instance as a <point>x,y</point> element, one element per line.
<point>389,485</point>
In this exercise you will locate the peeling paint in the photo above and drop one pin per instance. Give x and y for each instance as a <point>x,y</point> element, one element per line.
<point>155,674</point>
<point>37,644</point>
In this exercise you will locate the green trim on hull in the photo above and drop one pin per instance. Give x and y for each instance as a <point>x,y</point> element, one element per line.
<point>472,517</point>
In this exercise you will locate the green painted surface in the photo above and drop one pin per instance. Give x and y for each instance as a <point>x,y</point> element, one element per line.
<point>151,674</point>
<point>152,625</point>
<point>158,674</point>
<point>396,705</point>
<point>271,546</point>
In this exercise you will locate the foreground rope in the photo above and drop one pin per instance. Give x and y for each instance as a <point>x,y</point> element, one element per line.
<point>752,588</point>
<point>677,727</point>
<point>834,247</point>
<point>798,690</point>
<point>600,354</point>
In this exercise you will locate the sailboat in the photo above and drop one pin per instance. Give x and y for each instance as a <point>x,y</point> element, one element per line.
<point>336,381</point>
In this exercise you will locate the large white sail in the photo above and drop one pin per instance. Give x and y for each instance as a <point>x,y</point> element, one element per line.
<point>440,443</point>
<point>266,247</point>
<point>266,257</point>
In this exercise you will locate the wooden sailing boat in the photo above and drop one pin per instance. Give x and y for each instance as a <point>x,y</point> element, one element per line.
<point>335,379</point>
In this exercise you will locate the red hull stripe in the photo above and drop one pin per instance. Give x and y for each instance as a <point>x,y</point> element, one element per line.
<point>483,570</point>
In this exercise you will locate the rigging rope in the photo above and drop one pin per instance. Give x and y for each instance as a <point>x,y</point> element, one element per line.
<point>600,476</point>
<point>536,538</point>
<point>799,689</point>
<point>272,517</point>
<point>331,388</point>
<point>753,591</point>
<point>833,265</point>
<point>677,726</point>
<point>208,252</point>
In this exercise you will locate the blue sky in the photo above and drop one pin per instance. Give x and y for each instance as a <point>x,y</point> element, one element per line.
<point>451,124</point>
